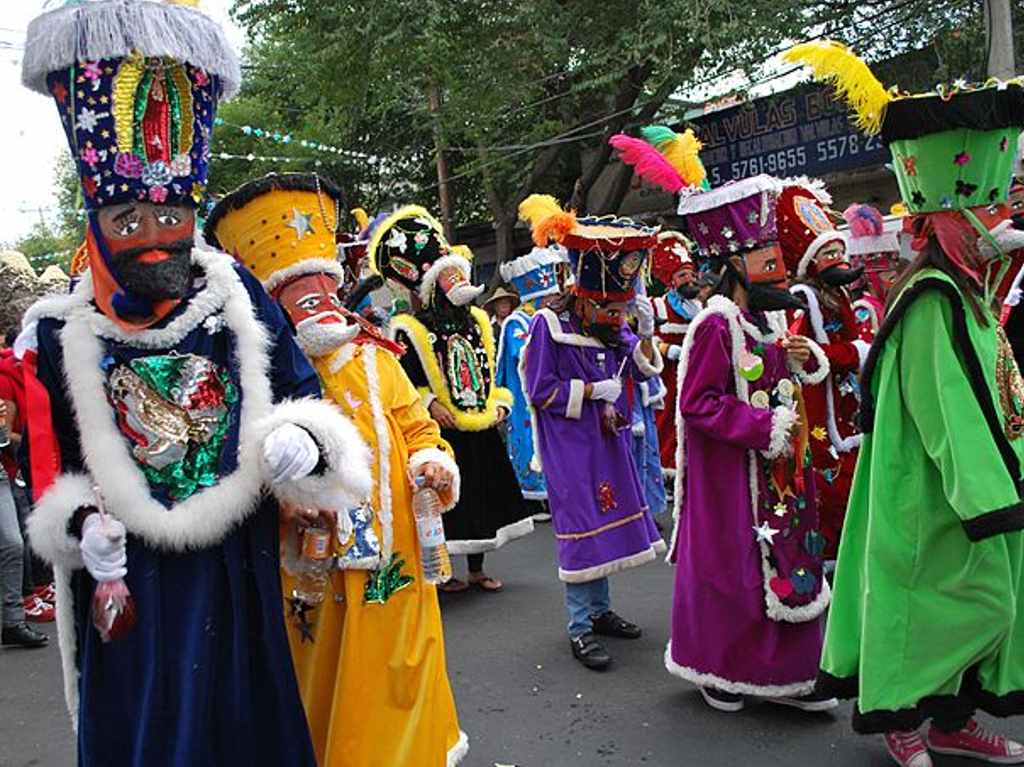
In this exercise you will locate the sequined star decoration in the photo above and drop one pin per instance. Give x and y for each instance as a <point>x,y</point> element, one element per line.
<point>385,582</point>
<point>765,533</point>
<point>297,610</point>
<point>301,222</point>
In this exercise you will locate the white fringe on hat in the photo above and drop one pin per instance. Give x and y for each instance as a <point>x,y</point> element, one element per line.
<point>114,28</point>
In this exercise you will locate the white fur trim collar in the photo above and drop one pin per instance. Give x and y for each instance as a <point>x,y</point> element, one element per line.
<point>207,516</point>
<point>560,336</point>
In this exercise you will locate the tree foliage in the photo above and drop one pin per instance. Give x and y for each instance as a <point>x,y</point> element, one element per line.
<point>527,92</point>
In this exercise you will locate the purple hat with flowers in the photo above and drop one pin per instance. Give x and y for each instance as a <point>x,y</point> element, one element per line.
<point>137,84</point>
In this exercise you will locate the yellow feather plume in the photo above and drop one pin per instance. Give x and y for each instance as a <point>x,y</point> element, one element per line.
<point>361,217</point>
<point>853,80</point>
<point>547,219</point>
<point>682,150</point>
<point>463,250</point>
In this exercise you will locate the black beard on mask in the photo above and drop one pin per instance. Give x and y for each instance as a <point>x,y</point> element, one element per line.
<point>767,298</point>
<point>609,335</point>
<point>837,276</point>
<point>167,279</point>
<point>688,292</point>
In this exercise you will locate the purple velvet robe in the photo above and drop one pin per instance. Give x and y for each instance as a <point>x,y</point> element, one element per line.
<point>722,635</point>
<point>601,521</point>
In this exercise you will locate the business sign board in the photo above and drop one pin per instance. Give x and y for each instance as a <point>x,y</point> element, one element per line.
<point>799,132</point>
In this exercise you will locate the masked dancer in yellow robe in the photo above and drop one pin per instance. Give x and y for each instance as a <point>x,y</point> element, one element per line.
<point>370,657</point>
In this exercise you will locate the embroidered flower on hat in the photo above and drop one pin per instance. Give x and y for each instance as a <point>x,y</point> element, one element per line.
<point>962,158</point>
<point>158,194</point>
<point>88,119</point>
<point>910,165</point>
<point>156,174</point>
<point>181,166</point>
<point>917,198</point>
<point>128,165</point>
<point>965,189</point>
<point>90,156</point>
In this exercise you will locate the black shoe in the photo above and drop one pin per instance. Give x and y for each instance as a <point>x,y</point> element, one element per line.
<point>611,625</point>
<point>22,635</point>
<point>589,652</point>
<point>813,701</point>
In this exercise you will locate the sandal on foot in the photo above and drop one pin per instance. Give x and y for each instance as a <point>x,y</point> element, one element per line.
<point>486,583</point>
<point>453,586</point>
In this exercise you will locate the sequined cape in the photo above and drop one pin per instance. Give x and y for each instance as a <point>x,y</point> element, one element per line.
<point>514,332</point>
<point>200,680</point>
<point>373,677</point>
<point>927,614</point>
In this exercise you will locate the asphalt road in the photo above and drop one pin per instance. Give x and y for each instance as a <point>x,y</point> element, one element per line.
<point>523,700</point>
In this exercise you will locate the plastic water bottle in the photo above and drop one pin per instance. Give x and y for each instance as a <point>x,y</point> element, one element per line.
<point>315,562</point>
<point>434,559</point>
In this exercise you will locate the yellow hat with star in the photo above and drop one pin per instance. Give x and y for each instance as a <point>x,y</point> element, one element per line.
<point>280,227</point>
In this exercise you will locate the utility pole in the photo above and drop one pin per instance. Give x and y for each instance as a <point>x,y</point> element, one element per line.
<point>999,23</point>
<point>443,193</point>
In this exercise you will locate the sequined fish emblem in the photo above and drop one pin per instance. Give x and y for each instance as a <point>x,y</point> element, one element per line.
<point>174,411</point>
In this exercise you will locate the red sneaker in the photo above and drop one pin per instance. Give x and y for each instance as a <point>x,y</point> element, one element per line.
<point>47,593</point>
<point>976,742</point>
<point>907,749</point>
<point>38,611</point>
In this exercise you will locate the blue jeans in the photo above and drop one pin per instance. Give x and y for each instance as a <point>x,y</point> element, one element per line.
<point>11,557</point>
<point>586,601</point>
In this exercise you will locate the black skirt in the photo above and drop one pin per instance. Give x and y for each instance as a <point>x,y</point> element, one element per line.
<point>491,510</point>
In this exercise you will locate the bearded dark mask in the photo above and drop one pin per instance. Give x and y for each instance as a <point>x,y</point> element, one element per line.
<point>688,292</point>
<point>167,279</point>
<point>839,275</point>
<point>762,297</point>
<point>609,335</point>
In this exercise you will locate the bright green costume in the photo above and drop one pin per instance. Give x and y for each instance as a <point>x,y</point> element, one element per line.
<point>926,618</point>
<point>930,567</point>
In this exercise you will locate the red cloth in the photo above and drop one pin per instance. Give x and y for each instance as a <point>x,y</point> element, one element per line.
<point>833,470</point>
<point>12,389</point>
<point>671,331</point>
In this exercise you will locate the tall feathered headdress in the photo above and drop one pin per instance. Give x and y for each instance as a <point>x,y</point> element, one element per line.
<point>663,157</point>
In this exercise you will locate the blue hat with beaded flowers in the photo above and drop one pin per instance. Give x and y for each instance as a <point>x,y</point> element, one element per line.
<point>137,84</point>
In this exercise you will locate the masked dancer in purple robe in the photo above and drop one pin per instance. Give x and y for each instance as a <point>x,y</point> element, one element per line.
<point>580,368</point>
<point>749,588</point>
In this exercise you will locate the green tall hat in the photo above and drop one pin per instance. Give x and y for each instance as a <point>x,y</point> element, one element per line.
<point>952,149</point>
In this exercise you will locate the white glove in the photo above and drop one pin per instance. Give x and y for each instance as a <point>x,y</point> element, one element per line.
<point>644,317</point>
<point>104,548</point>
<point>675,352</point>
<point>609,389</point>
<point>290,453</point>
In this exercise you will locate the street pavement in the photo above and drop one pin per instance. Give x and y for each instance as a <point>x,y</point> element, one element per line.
<point>522,698</point>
